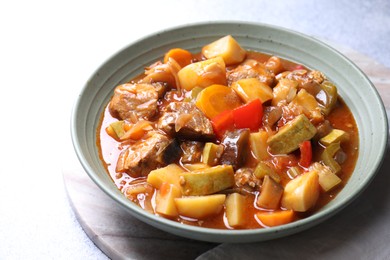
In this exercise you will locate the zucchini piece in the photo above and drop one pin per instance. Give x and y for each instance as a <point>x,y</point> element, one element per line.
<point>207,181</point>
<point>327,179</point>
<point>270,195</point>
<point>331,97</point>
<point>293,172</point>
<point>336,135</point>
<point>291,135</point>
<point>327,157</point>
<point>262,170</point>
<point>116,129</point>
<point>211,153</point>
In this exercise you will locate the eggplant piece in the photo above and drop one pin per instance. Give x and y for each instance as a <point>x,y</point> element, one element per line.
<point>235,145</point>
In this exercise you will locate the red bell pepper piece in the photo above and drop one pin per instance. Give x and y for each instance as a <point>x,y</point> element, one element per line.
<point>249,115</point>
<point>306,154</point>
<point>222,122</point>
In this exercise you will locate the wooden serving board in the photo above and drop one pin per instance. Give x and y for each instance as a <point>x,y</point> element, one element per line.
<point>121,236</point>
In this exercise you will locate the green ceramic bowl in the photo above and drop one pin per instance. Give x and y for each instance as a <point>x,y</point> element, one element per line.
<point>354,87</point>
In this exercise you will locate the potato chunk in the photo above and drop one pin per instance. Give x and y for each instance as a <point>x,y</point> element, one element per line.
<point>203,74</point>
<point>199,207</point>
<point>227,48</point>
<point>235,211</point>
<point>165,200</point>
<point>302,193</point>
<point>169,174</point>
<point>252,88</point>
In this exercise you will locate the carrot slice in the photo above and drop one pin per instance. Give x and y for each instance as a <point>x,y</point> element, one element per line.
<point>215,99</point>
<point>275,218</point>
<point>181,56</point>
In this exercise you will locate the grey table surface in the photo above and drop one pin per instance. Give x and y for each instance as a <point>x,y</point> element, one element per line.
<point>48,51</point>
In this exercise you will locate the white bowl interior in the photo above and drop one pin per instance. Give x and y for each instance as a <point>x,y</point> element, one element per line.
<point>354,87</point>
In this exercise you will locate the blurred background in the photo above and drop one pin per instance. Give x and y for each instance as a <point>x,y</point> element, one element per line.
<point>49,49</point>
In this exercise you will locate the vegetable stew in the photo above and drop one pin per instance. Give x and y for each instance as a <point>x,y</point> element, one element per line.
<point>228,138</point>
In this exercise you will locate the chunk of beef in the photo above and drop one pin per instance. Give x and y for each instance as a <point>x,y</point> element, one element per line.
<point>185,120</point>
<point>192,151</point>
<point>245,180</point>
<point>310,81</point>
<point>134,101</point>
<point>251,69</point>
<point>156,150</point>
<point>235,145</point>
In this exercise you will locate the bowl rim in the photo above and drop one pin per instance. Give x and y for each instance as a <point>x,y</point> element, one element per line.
<point>203,233</point>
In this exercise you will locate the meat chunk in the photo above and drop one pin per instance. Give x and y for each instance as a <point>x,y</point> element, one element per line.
<point>251,69</point>
<point>185,120</point>
<point>246,181</point>
<point>134,101</point>
<point>192,151</point>
<point>156,150</point>
<point>310,81</point>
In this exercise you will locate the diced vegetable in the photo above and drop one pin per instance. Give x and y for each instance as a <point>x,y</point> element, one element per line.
<point>222,122</point>
<point>330,98</point>
<point>335,136</point>
<point>227,48</point>
<point>293,172</point>
<point>195,166</point>
<point>249,115</point>
<point>207,181</point>
<point>165,200</point>
<point>137,130</point>
<point>285,90</point>
<point>116,129</point>
<point>216,99</point>
<point>275,218</point>
<point>169,174</point>
<point>252,88</point>
<point>301,193</point>
<point>309,104</point>
<point>270,195</point>
<point>181,56</point>
<point>235,209</point>
<point>211,153</point>
<point>199,207</point>
<point>235,146</point>
<point>203,74</point>
<point>274,64</point>
<point>327,179</point>
<point>258,144</point>
<point>306,154</point>
<point>262,169</point>
<point>291,135</point>
<point>328,154</point>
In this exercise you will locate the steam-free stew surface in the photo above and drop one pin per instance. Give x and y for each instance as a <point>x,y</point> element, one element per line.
<point>228,138</point>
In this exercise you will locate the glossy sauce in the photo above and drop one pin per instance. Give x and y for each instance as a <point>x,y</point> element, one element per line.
<point>340,118</point>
